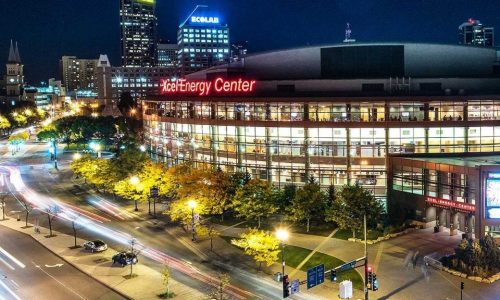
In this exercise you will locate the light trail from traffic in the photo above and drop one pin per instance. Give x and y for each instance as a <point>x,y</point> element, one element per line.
<point>95,223</point>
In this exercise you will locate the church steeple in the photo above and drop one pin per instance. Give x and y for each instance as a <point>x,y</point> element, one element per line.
<point>14,56</point>
<point>16,52</point>
<point>12,53</point>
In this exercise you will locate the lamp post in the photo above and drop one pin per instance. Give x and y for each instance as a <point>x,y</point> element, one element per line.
<point>134,180</point>
<point>282,235</point>
<point>192,205</point>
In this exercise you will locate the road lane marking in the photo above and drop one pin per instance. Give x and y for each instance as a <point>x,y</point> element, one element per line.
<point>15,284</point>
<point>11,257</point>
<point>9,290</point>
<point>65,286</point>
<point>54,266</point>
<point>7,264</point>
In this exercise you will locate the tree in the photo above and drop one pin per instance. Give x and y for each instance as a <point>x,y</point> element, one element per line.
<point>255,200</point>
<point>287,196</point>
<point>262,245</point>
<point>166,275</point>
<point>75,225</point>
<point>27,209</point>
<point>125,103</point>
<point>52,211</point>
<point>351,203</point>
<point>18,119</point>
<point>309,202</point>
<point>209,231</point>
<point>17,139</point>
<point>4,124</point>
<point>135,252</point>
<point>219,291</point>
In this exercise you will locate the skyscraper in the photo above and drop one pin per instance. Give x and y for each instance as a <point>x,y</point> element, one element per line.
<point>203,41</point>
<point>77,73</point>
<point>473,32</point>
<point>167,55</point>
<point>138,35</point>
<point>14,78</point>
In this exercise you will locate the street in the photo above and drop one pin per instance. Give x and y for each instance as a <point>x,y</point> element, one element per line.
<point>29,271</point>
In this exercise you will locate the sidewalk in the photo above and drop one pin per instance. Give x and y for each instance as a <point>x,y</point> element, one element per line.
<point>227,254</point>
<point>99,266</point>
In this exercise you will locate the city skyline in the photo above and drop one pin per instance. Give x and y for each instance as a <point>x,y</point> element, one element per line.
<point>86,33</point>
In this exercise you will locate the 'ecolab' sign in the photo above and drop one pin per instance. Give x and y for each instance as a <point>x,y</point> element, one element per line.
<point>211,20</point>
<point>204,88</point>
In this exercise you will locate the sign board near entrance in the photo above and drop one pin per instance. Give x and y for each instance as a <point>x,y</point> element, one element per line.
<point>450,204</point>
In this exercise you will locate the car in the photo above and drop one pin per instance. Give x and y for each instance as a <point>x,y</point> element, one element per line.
<point>125,258</point>
<point>95,246</point>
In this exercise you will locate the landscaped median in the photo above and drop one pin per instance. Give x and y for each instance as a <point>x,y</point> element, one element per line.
<point>146,285</point>
<point>295,255</point>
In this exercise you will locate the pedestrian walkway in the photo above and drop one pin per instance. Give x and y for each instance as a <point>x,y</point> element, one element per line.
<point>147,285</point>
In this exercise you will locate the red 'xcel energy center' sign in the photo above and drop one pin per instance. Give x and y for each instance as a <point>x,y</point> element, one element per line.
<point>218,86</point>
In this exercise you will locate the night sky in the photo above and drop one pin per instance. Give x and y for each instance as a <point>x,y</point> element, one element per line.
<point>48,29</point>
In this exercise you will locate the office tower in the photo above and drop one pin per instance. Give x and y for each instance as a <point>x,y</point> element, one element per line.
<point>138,33</point>
<point>167,55</point>
<point>473,32</point>
<point>76,73</point>
<point>203,41</point>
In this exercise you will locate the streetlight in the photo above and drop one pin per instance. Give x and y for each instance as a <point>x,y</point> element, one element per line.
<point>282,235</point>
<point>95,147</point>
<point>192,205</point>
<point>134,180</point>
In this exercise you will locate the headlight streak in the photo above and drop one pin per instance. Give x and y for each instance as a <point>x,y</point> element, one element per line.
<point>95,223</point>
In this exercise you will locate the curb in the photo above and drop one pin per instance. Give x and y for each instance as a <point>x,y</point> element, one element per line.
<point>74,266</point>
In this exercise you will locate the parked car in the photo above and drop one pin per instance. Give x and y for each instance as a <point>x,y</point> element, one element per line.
<point>125,258</point>
<point>95,246</point>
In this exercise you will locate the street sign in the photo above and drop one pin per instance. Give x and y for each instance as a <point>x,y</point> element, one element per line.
<point>312,278</point>
<point>320,270</point>
<point>294,288</point>
<point>348,265</point>
<point>153,192</point>
<point>315,276</point>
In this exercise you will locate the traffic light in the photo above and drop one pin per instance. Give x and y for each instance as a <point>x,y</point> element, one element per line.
<point>333,275</point>
<point>462,285</point>
<point>369,281</point>
<point>286,286</point>
<point>375,282</point>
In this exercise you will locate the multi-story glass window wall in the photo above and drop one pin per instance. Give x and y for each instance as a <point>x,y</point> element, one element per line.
<point>336,142</point>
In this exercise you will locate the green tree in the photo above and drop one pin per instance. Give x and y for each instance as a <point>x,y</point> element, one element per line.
<point>262,245</point>
<point>4,124</point>
<point>255,200</point>
<point>125,103</point>
<point>309,202</point>
<point>351,203</point>
<point>287,196</point>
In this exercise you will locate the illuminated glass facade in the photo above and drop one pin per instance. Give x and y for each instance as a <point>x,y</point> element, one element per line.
<point>138,33</point>
<point>202,42</point>
<point>460,193</point>
<point>336,140</point>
